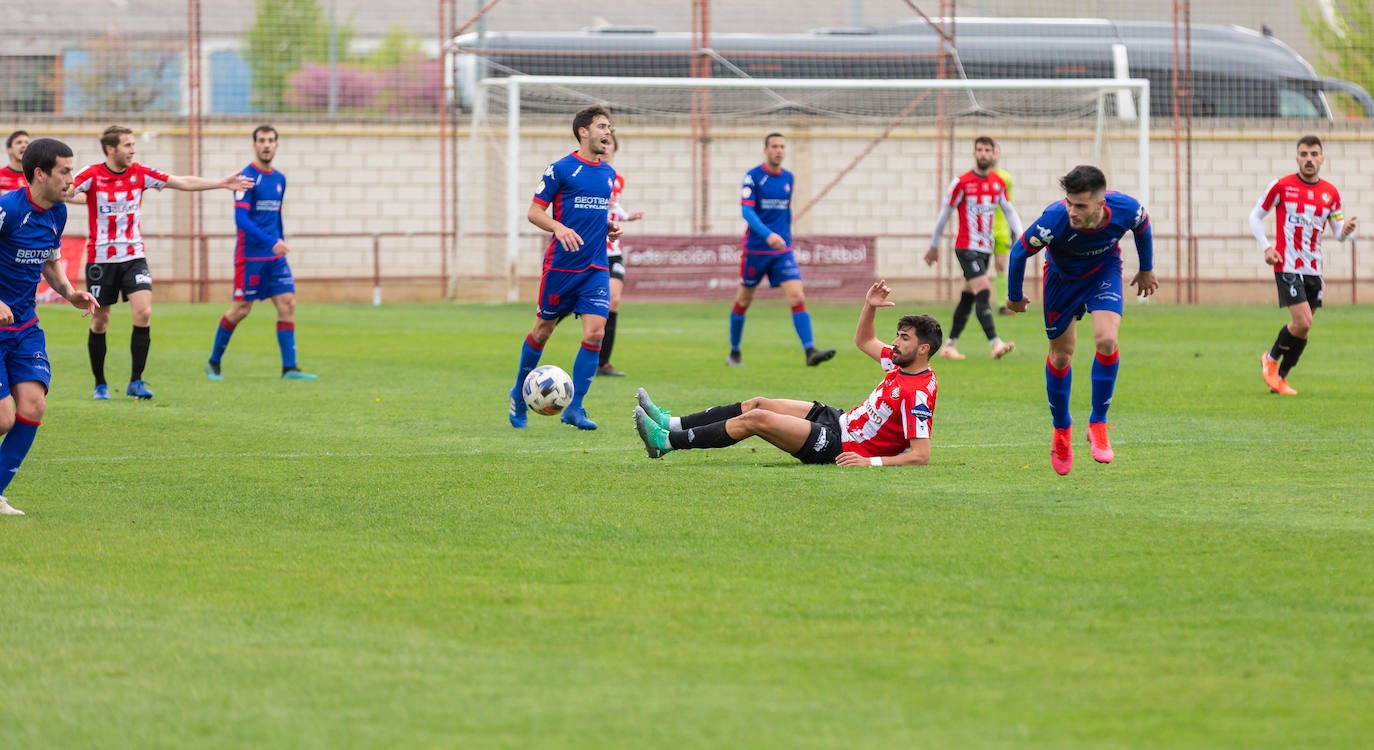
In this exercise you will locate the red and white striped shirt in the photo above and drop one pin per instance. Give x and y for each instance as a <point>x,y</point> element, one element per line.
<point>900,409</point>
<point>1302,211</point>
<point>114,208</point>
<point>976,198</point>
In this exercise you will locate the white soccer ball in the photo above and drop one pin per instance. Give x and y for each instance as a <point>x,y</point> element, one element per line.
<point>547,390</point>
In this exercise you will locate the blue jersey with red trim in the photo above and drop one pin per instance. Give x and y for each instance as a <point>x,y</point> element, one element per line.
<point>770,195</point>
<point>1078,253</point>
<point>257,214</point>
<point>29,237</point>
<point>579,192</point>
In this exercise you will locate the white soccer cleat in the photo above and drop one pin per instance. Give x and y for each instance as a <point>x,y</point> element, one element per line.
<point>8,510</point>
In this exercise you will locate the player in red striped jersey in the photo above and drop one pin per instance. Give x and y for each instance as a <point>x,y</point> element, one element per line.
<point>1304,204</point>
<point>12,174</point>
<point>890,428</point>
<point>617,261</point>
<point>976,195</point>
<point>115,263</point>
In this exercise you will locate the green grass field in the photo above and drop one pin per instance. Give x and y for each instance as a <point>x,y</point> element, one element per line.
<point>377,559</point>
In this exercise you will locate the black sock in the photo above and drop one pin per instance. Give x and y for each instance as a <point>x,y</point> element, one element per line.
<point>961,313</point>
<point>95,345</point>
<point>706,436</point>
<point>608,341</point>
<point>139,342</point>
<point>1281,344</point>
<point>982,302</point>
<point>712,415</point>
<point>1290,358</point>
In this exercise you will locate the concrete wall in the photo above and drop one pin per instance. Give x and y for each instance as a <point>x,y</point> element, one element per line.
<point>349,181</point>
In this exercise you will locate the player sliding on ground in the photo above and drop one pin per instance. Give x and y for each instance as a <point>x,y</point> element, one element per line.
<point>890,428</point>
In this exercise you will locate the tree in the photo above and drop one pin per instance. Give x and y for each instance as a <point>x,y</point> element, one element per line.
<point>284,35</point>
<point>122,74</point>
<point>1343,33</point>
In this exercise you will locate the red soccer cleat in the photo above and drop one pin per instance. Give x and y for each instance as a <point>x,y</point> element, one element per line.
<point>1061,450</point>
<point>1097,440</point>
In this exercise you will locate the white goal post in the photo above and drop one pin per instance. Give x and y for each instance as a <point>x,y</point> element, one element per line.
<point>1131,97</point>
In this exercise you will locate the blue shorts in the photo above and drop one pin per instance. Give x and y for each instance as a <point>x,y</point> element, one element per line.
<point>1067,300</point>
<point>262,279</point>
<point>23,357</point>
<point>580,292</point>
<point>777,267</point>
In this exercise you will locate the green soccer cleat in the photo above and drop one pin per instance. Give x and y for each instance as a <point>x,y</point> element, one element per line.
<point>654,413</point>
<point>655,438</point>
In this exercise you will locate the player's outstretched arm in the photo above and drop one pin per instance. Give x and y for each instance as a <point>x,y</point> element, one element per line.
<point>865,335</point>
<point>191,183</point>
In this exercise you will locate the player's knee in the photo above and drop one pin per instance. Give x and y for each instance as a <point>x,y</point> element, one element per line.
<point>1106,344</point>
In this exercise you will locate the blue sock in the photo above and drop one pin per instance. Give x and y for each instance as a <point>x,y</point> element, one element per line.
<point>1057,387</point>
<point>222,336</point>
<point>14,448</point>
<point>801,320</point>
<point>584,368</point>
<point>736,327</point>
<point>1104,383</point>
<point>529,359</point>
<point>286,341</point>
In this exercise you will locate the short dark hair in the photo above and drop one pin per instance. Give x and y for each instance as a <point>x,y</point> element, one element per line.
<point>771,136</point>
<point>263,128</point>
<point>1083,179</point>
<point>43,154</point>
<point>1310,140</point>
<point>110,138</point>
<point>10,141</point>
<point>586,117</point>
<point>984,140</point>
<point>927,330</point>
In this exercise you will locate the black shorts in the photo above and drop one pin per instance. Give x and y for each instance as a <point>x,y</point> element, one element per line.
<point>822,446</point>
<point>618,267</point>
<point>1297,288</point>
<point>974,262</point>
<point>108,281</point>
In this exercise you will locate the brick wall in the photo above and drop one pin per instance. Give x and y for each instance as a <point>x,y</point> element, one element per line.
<point>349,181</point>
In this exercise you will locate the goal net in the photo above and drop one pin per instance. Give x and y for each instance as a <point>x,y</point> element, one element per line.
<point>872,158</point>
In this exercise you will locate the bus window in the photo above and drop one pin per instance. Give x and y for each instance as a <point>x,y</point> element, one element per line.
<point>1293,103</point>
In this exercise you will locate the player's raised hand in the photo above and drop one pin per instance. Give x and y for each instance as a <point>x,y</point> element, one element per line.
<point>878,295</point>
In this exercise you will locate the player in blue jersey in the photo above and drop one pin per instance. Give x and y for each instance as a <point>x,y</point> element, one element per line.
<point>766,205</point>
<point>576,278</point>
<point>31,223</point>
<point>1081,238</point>
<point>260,268</point>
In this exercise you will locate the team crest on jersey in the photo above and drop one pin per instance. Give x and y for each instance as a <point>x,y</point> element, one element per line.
<point>1326,198</point>
<point>896,392</point>
<point>787,188</point>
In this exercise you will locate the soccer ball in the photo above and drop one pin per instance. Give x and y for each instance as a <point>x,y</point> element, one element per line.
<point>547,390</point>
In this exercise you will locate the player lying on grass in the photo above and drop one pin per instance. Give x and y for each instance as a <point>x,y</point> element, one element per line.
<point>890,428</point>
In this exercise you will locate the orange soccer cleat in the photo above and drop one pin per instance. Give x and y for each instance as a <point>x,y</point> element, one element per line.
<point>1269,370</point>
<point>1285,389</point>
<point>1061,450</point>
<point>1097,440</point>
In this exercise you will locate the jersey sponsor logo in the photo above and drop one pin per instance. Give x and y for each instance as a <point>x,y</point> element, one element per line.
<point>594,202</point>
<point>32,256</point>
<point>267,205</point>
<point>775,204</point>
